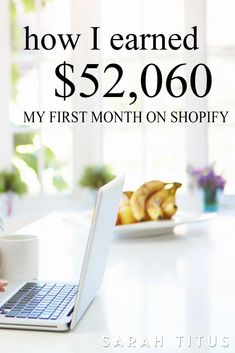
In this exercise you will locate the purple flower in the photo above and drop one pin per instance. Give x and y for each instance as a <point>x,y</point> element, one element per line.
<point>207,179</point>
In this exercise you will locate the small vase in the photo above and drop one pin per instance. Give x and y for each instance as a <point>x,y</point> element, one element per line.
<point>210,200</point>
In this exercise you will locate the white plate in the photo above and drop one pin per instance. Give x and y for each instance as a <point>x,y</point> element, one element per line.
<point>152,228</point>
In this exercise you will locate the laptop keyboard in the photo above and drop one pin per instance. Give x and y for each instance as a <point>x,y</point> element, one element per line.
<point>39,301</point>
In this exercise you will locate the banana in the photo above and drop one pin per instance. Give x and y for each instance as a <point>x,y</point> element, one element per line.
<point>128,194</point>
<point>118,221</point>
<point>154,212</point>
<point>169,210</point>
<point>176,186</point>
<point>125,215</point>
<point>153,204</point>
<point>125,201</point>
<point>151,201</point>
<point>155,201</point>
<point>169,207</point>
<point>139,197</point>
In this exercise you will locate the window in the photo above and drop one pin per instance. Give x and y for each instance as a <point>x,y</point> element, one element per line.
<point>52,158</point>
<point>147,151</point>
<point>44,163</point>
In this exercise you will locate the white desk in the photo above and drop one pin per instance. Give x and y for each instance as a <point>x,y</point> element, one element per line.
<point>174,285</point>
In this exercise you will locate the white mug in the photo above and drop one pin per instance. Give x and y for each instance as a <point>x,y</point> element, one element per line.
<point>19,257</point>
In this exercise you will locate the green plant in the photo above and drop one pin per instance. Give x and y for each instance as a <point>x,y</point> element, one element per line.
<point>26,149</point>
<point>10,181</point>
<point>96,176</point>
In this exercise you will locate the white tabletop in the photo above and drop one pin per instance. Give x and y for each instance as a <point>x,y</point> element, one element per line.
<point>165,286</point>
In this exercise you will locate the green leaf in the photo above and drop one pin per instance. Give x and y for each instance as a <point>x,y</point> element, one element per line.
<point>59,183</point>
<point>10,181</point>
<point>96,176</point>
<point>29,5</point>
<point>31,160</point>
<point>26,138</point>
<point>49,158</point>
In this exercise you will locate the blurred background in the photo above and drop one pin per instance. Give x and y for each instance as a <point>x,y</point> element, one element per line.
<point>51,159</point>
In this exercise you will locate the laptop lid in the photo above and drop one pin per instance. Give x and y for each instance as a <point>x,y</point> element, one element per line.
<point>99,240</point>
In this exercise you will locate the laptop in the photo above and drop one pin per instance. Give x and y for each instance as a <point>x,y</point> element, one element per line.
<point>56,306</point>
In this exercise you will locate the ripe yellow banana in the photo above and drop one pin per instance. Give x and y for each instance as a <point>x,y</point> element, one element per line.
<point>128,194</point>
<point>169,207</point>
<point>125,201</point>
<point>125,215</point>
<point>139,197</point>
<point>154,212</point>
<point>154,202</point>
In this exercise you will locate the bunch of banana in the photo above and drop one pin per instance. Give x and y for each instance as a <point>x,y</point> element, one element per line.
<point>154,200</point>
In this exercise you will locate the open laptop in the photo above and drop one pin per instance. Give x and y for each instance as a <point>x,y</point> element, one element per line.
<point>59,306</point>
